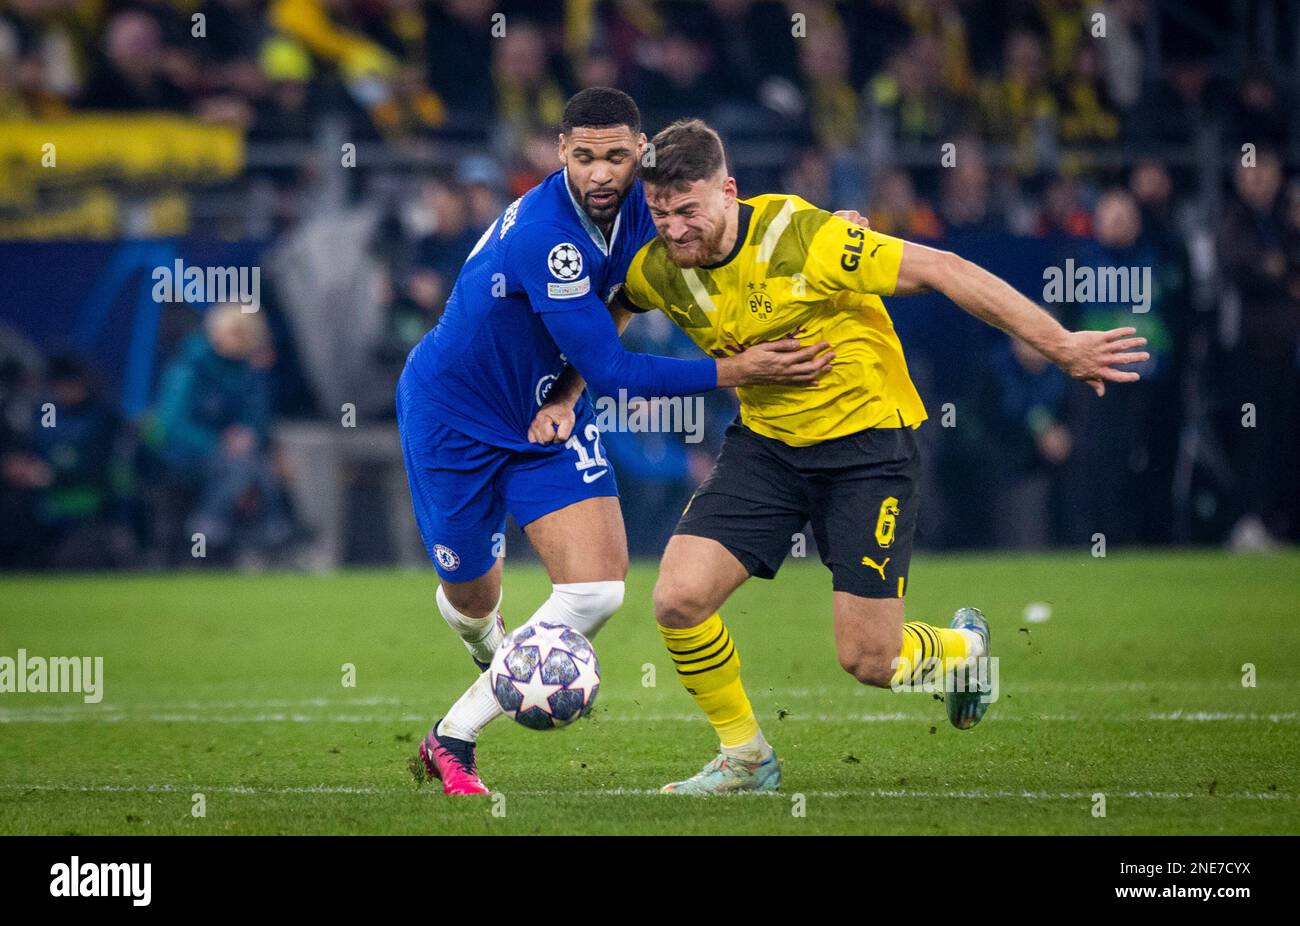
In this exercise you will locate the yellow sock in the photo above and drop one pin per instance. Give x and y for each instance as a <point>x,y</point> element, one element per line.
<point>709,668</point>
<point>927,648</point>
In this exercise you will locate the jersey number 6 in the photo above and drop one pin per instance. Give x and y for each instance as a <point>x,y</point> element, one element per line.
<point>885,523</point>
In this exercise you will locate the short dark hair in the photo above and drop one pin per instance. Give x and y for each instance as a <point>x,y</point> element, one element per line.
<point>686,151</point>
<point>600,107</point>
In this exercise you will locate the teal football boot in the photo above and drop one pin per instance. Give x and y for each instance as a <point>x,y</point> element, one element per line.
<point>725,775</point>
<point>966,706</point>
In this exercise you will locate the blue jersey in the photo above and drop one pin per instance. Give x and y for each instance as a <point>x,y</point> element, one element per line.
<point>530,296</point>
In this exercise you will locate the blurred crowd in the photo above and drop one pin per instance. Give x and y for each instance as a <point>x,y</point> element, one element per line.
<point>83,487</point>
<point>917,70</point>
<point>1123,148</point>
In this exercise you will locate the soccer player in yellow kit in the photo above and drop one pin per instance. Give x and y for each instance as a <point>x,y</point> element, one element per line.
<point>842,454</point>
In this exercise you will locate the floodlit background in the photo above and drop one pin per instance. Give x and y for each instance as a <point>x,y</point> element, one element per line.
<point>352,151</point>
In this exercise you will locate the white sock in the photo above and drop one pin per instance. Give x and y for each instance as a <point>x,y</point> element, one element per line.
<point>755,749</point>
<point>481,634</point>
<point>974,642</point>
<point>476,708</point>
<point>584,606</point>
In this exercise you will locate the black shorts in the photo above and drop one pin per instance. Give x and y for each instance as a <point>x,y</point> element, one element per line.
<point>859,492</point>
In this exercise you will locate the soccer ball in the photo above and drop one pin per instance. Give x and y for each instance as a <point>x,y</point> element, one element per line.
<point>545,676</point>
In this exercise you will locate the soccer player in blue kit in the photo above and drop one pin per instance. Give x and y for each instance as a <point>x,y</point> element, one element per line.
<point>531,299</point>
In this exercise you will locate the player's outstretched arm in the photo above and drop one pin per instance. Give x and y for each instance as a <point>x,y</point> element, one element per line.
<point>602,360</point>
<point>592,345</point>
<point>1092,356</point>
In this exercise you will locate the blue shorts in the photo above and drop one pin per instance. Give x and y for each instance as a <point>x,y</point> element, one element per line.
<point>462,488</point>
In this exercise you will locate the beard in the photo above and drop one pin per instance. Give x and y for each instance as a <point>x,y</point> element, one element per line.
<point>600,213</point>
<point>703,250</point>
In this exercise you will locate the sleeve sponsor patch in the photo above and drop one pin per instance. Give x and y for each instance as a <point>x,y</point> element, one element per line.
<point>569,290</point>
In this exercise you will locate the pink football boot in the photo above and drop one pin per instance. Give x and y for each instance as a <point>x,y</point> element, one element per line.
<point>452,762</point>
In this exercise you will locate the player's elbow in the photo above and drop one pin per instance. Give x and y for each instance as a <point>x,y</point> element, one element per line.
<point>621,369</point>
<point>945,269</point>
<point>601,380</point>
<point>926,269</point>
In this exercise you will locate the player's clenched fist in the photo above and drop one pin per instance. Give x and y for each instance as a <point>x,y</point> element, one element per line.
<point>775,363</point>
<point>552,424</point>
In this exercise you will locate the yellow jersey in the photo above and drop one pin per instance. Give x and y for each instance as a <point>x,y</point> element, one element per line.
<point>794,267</point>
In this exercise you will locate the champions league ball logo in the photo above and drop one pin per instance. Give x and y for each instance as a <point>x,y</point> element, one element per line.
<point>565,262</point>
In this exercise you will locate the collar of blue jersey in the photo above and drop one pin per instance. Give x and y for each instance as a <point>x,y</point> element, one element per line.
<point>593,232</point>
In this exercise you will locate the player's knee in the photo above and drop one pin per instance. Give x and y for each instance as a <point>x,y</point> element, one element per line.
<point>597,600</point>
<point>869,666</point>
<point>475,599</point>
<point>586,606</point>
<point>678,604</point>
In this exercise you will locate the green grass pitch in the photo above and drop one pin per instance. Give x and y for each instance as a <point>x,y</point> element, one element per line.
<point>230,686</point>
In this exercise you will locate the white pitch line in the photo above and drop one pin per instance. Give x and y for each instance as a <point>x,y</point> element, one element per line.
<point>185,709</point>
<point>774,695</point>
<point>889,793</point>
<point>201,718</point>
<point>1217,686</point>
<point>187,789</point>
<point>1165,716</point>
<point>248,704</point>
<point>114,715</point>
<point>967,794</point>
<point>1207,687</point>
